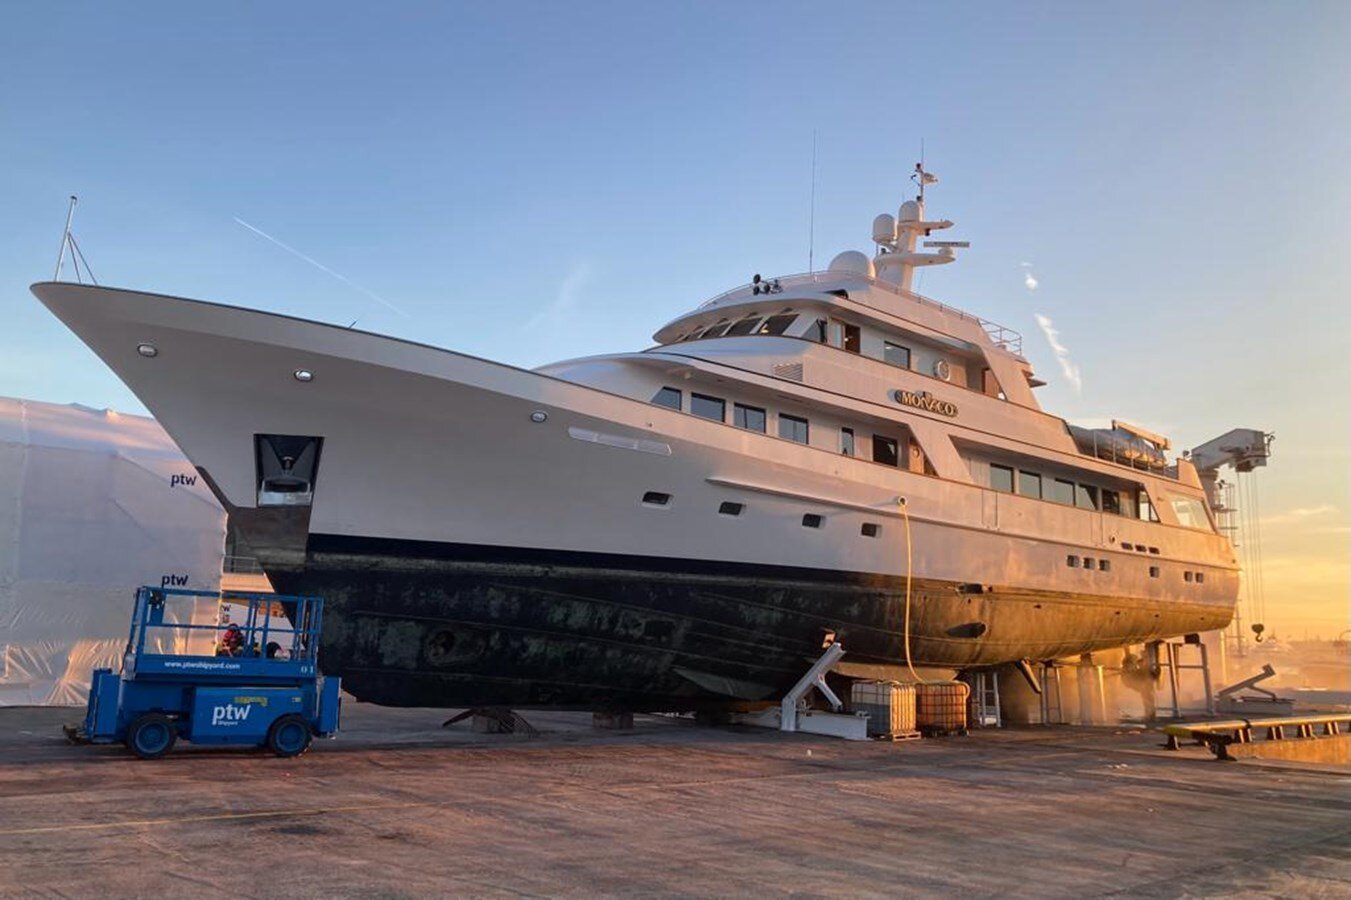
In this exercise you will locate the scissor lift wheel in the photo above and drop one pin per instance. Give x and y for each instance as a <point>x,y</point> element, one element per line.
<point>290,736</point>
<point>151,735</point>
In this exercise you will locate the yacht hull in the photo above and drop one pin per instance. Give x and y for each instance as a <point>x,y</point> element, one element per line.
<point>485,535</point>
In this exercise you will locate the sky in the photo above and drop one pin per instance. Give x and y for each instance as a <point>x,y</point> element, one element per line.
<point>1155,193</point>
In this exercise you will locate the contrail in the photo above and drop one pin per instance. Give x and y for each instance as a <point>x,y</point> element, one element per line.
<point>1062,353</point>
<point>323,268</point>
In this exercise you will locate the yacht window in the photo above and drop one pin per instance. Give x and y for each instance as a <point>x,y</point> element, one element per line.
<point>1153,571</point>
<point>1001,478</point>
<point>748,417</point>
<point>896,354</point>
<point>884,450</point>
<point>716,329</point>
<point>745,326</point>
<point>1088,562</point>
<point>1190,512</point>
<point>1104,565</point>
<point>1200,577</point>
<point>812,520</point>
<point>777,324</point>
<point>1086,496</point>
<point>793,428</point>
<point>1062,491</point>
<point>1072,561</point>
<point>668,397</point>
<point>847,441</point>
<point>1029,484</point>
<point>853,340</point>
<point>1186,576</point>
<point>818,332</point>
<point>728,508</point>
<point>656,498</point>
<point>1144,507</point>
<point>708,407</point>
<point>1111,502</point>
<point>870,529</point>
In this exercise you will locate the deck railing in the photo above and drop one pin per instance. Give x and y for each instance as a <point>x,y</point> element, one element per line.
<point>1002,336</point>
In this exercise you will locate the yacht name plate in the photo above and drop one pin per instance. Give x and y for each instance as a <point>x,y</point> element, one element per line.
<point>925,401</point>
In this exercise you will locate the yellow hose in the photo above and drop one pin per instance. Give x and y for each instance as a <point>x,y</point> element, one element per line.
<point>909,559</point>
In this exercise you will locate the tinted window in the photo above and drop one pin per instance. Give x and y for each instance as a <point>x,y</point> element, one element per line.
<point>668,397</point>
<point>847,441</point>
<point>1111,502</point>
<point>1086,496</point>
<point>748,417</point>
<point>818,332</point>
<point>1001,478</point>
<point>870,529</point>
<point>896,354</point>
<point>656,498</point>
<point>793,428</point>
<point>1029,484</point>
<point>716,329</point>
<point>745,326</point>
<point>777,324</point>
<point>708,407</point>
<point>884,450</point>
<point>852,339</point>
<point>811,520</point>
<point>728,508</point>
<point>1062,491</point>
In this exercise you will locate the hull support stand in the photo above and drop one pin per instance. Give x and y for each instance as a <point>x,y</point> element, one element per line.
<point>793,714</point>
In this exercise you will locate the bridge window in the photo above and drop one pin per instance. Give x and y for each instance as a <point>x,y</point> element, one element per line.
<point>1086,496</point>
<point>1001,478</point>
<point>896,354</point>
<point>1144,507</point>
<point>749,417</point>
<point>745,326</point>
<point>668,397</point>
<point>793,428</point>
<point>1029,484</point>
<point>1062,491</point>
<point>777,324</point>
<point>706,407</point>
<point>885,451</point>
<point>847,441</point>
<point>1111,502</point>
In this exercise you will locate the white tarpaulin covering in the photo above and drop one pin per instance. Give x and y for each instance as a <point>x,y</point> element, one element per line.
<point>93,503</point>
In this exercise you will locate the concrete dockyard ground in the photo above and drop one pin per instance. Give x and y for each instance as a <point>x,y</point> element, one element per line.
<point>397,806</point>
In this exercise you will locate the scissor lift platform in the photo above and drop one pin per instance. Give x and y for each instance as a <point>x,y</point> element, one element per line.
<point>260,688</point>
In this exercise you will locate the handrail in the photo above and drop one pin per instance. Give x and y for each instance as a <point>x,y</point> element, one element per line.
<point>1002,336</point>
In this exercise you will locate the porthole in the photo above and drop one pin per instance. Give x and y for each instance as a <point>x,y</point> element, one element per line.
<point>1154,550</point>
<point>1153,571</point>
<point>942,369</point>
<point>1127,546</point>
<point>656,498</point>
<point>1187,576</point>
<point>1200,577</point>
<point>870,529</point>
<point>1072,561</point>
<point>728,508</point>
<point>1104,565</point>
<point>1088,562</point>
<point>812,520</point>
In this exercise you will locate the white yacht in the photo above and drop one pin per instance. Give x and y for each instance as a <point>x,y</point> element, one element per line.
<point>828,453</point>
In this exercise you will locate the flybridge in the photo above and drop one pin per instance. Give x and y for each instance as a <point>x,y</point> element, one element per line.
<point>893,265</point>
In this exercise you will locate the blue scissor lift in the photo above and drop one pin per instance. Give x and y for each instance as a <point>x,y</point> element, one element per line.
<point>261,687</point>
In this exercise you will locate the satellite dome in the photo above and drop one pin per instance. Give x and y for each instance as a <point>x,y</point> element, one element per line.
<point>852,262</point>
<point>884,229</point>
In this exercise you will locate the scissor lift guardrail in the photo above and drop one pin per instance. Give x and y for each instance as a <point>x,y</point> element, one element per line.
<point>1218,736</point>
